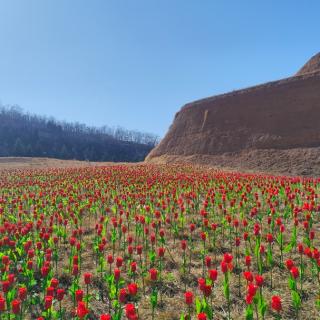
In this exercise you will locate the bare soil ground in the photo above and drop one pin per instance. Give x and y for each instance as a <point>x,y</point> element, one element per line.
<point>41,163</point>
<point>290,162</point>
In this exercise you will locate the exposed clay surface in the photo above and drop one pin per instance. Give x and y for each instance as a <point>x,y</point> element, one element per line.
<point>274,127</point>
<point>313,65</point>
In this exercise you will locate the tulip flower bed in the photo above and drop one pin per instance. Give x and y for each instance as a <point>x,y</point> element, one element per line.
<point>158,242</point>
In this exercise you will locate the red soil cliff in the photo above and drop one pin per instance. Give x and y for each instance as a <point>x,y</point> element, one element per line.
<point>274,127</point>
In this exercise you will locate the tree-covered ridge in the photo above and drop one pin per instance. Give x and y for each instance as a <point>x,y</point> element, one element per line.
<point>23,134</point>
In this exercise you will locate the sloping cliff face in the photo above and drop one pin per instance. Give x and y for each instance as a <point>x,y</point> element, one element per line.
<point>313,65</point>
<point>273,127</point>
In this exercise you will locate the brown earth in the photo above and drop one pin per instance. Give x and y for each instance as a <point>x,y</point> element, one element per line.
<point>273,127</point>
<point>41,163</point>
<point>312,65</point>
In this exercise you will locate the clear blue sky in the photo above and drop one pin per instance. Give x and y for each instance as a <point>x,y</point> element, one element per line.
<point>135,63</point>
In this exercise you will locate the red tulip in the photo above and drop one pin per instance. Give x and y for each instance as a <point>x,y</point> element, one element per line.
<point>82,311</point>
<point>188,297</point>
<point>161,251</point>
<point>29,265</point>
<point>269,237</point>
<point>213,274</point>
<point>130,311</point>
<point>79,295</point>
<point>5,286</point>
<point>133,266</point>
<point>289,264</point>
<point>11,277</point>
<point>54,283</point>
<point>48,302</point>
<point>87,278</point>
<point>110,259</point>
<point>15,305</point>
<point>122,295</point>
<point>139,250</point>
<point>75,270</point>
<point>5,260</point>
<point>207,290</point>
<point>2,304</point>
<point>227,258</point>
<point>132,289</point>
<point>224,266</point>
<point>202,316</point>
<point>50,291</point>
<point>60,294</point>
<point>249,299</point>
<point>252,289</point>
<point>276,303</point>
<point>161,233</point>
<point>294,272</point>
<point>248,276</point>
<point>117,273</point>
<point>44,271</point>
<point>201,283</point>
<point>259,280</point>
<point>208,261</point>
<point>153,274</point>
<point>248,261</point>
<point>300,248</point>
<point>119,261</point>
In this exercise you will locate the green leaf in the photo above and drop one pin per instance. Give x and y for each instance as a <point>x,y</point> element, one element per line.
<point>11,294</point>
<point>226,290</point>
<point>249,312</point>
<point>296,299</point>
<point>269,257</point>
<point>287,248</point>
<point>114,235</point>
<point>204,303</point>
<point>292,283</point>
<point>154,298</point>
<point>262,307</point>
<point>152,256</point>
<point>208,310</point>
<point>257,248</point>
<point>198,305</point>
<point>279,238</point>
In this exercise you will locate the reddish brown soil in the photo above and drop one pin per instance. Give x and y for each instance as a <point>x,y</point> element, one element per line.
<point>272,127</point>
<point>312,65</point>
<point>41,163</point>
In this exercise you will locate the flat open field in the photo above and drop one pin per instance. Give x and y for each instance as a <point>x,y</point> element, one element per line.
<point>38,163</point>
<point>156,242</point>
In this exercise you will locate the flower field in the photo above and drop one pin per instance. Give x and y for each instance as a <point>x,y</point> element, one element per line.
<point>158,242</point>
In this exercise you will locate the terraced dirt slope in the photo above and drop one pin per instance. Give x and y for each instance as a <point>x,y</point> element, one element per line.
<point>273,127</point>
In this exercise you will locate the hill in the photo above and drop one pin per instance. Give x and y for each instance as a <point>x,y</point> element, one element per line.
<point>25,135</point>
<point>273,127</point>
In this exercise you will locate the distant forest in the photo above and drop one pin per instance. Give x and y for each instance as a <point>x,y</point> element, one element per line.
<point>28,135</point>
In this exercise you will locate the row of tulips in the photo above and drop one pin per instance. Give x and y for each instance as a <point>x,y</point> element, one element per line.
<point>115,231</point>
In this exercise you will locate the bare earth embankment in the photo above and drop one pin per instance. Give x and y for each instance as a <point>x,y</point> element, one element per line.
<point>273,127</point>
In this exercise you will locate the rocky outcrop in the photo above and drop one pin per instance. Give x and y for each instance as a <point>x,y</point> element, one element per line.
<point>246,129</point>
